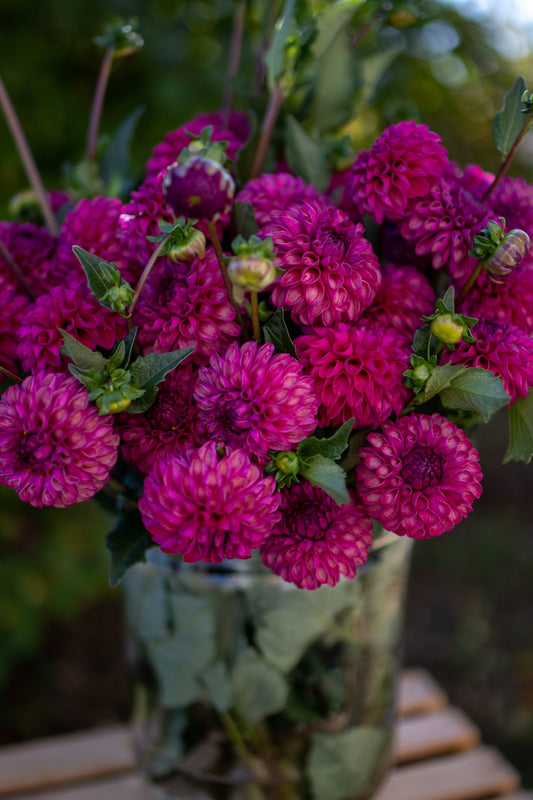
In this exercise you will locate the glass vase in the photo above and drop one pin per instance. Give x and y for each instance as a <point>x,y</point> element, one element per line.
<point>247,688</point>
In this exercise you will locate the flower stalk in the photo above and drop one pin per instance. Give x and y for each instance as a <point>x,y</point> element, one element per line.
<point>234,60</point>
<point>213,235</point>
<point>98,102</point>
<point>271,115</point>
<point>10,374</point>
<point>504,166</point>
<point>256,328</point>
<point>15,270</point>
<point>144,277</point>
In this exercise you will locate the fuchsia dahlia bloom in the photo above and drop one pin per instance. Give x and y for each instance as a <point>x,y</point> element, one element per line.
<point>269,194</point>
<point>444,224</point>
<point>316,540</point>
<point>209,508</point>
<point>13,310</point>
<point>55,449</point>
<point>185,305</point>
<point>504,350</point>
<point>357,371</point>
<point>73,309</point>
<point>400,167</point>
<point>403,297</point>
<point>509,300</point>
<point>255,399</point>
<point>330,272</point>
<point>419,475</point>
<point>169,426</point>
<point>34,250</point>
<point>512,199</point>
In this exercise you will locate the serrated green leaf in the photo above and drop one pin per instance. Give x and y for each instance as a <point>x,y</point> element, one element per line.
<point>147,371</point>
<point>509,121</point>
<point>332,447</point>
<point>259,689</point>
<point>142,404</point>
<point>101,275</point>
<point>421,341</point>
<point>276,332</point>
<point>127,543</point>
<point>82,356</point>
<point>520,430</point>
<point>243,219</point>
<point>129,342</point>
<point>117,356</point>
<point>439,379</point>
<point>475,389</point>
<point>284,29</point>
<point>329,476</point>
<point>92,379</point>
<point>305,156</point>
<point>448,300</point>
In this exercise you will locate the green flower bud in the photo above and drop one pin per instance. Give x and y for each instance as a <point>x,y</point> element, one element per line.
<point>115,407</point>
<point>509,254</point>
<point>287,461</point>
<point>251,274</point>
<point>119,297</point>
<point>421,373</point>
<point>188,249</point>
<point>446,330</point>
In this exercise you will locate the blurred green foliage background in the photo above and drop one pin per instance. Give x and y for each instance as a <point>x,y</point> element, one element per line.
<point>470,588</point>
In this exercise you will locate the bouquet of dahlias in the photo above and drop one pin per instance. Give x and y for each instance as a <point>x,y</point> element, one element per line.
<point>257,362</point>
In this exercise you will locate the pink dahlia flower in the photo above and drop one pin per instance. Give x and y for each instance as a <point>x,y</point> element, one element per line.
<point>94,226</point>
<point>419,475</point>
<point>356,372</point>
<point>474,179</point>
<point>13,310</point>
<point>509,300</point>
<point>317,541</point>
<point>73,309</point>
<point>504,350</point>
<point>208,507</point>
<point>169,426</point>
<point>255,399</point>
<point>35,252</point>
<point>55,449</point>
<point>403,297</point>
<point>186,305</point>
<point>330,272</point>
<point>269,194</point>
<point>444,224</point>
<point>236,132</point>
<point>400,167</point>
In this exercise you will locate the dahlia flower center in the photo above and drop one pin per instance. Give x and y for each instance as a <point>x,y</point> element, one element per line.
<point>171,415</point>
<point>308,522</point>
<point>335,243</point>
<point>422,468</point>
<point>27,458</point>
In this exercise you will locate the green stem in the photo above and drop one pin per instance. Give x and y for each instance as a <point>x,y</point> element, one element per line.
<point>98,102</point>
<point>505,164</point>
<point>234,60</point>
<point>254,303</point>
<point>144,277</point>
<point>271,115</point>
<point>225,277</point>
<point>16,271</point>
<point>470,282</point>
<point>27,159</point>
<point>10,374</point>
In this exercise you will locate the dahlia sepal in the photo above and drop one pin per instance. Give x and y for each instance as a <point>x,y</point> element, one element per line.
<point>417,377</point>
<point>276,332</point>
<point>447,326</point>
<point>183,241</point>
<point>520,430</point>
<point>126,543</point>
<point>104,281</point>
<point>467,389</point>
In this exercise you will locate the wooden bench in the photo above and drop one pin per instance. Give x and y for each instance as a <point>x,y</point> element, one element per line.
<point>438,757</point>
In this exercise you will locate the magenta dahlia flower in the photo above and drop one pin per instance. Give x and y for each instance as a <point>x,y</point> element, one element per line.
<point>200,188</point>
<point>419,475</point>
<point>169,426</point>
<point>444,224</point>
<point>356,371</point>
<point>73,309</point>
<point>504,350</point>
<point>400,167</point>
<point>208,507</point>
<point>404,296</point>
<point>474,179</point>
<point>94,226</point>
<point>236,131</point>
<point>34,251</point>
<point>55,449</point>
<point>185,305</point>
<point>255,399</point>
<point>316,540</point>
<point>513,200</point>
<point>330,272</point>
<point>13,310</point>
<point>269,194</point>
<point>509,300</point>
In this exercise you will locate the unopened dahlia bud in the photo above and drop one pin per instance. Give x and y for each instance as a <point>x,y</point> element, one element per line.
<point>250,274</point>
<point>188,250</point>
<point>287,461</point>
<point>509,254</point>
<point>446,330</point>
<point>199,187</point>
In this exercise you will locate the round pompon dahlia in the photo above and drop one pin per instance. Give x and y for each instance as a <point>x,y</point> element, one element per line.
<point>316,540</point>
<point>507,300</point>
<point>403,297</point>
<point>504,350</point>
<point>400,167</point>
<point>256,399</point>
<point>419,475</point>
<point>208,507</point>
<point>55,449</point>
<point>356,371</point>
<point>330,271</point>
<point>271,193</point>
<point>73,309</point>
<point>34,250</point>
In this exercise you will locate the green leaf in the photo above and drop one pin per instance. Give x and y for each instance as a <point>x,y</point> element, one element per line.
<point>243,219</point>
<point>342,764</point>
<point>115,164</point>
<point>147,371</point>
<point>127,543</point>
<point>218,685</point>
<point>305,156</point>
<point>329,476</point>
<point>439,379</point>
<point>520,430</point>
<point>475,389</point>
<point>142,404</point>
<point>276,332</point>
<point>333,447</point>
<point>333,92</point>
<point>101,275</point>
<point>276,57</point>
<point>259,689</point>
<point>331,22</point>
<point>83,357</point>
<point>509,121</point>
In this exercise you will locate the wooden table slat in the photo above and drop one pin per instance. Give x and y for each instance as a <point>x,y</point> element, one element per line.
<point>419,693</point>
<point>445,731</point>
